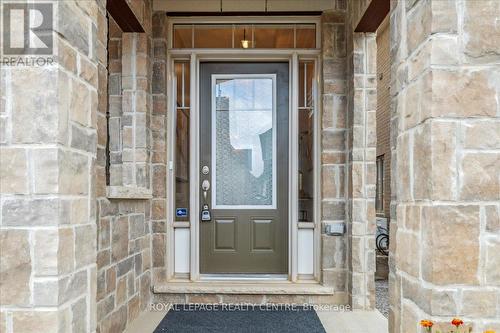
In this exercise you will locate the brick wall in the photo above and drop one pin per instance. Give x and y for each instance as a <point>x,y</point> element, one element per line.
<point>384,109</point>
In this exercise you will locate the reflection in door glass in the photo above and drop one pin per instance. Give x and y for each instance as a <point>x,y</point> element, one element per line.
<point>244,129</point>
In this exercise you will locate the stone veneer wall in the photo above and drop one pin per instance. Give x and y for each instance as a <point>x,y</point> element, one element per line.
<point>361,153</point>
<point>48,158</point>
<point>126,248</point>
<point>446,134</point>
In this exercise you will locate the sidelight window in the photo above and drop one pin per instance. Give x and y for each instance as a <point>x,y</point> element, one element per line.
<point>182,121</point>
<point>306,141</point>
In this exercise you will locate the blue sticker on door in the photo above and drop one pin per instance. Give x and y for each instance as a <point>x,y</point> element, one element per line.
<point>181,212</point>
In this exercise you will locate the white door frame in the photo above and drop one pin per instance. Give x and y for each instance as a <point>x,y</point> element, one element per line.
<point>195,57</point>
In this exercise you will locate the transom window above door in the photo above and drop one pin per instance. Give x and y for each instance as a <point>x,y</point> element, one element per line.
<point>243,36</point>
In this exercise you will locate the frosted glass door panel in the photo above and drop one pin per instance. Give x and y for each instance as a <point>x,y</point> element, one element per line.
<point>244,142</point>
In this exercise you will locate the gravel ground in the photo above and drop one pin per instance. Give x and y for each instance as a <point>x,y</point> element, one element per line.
<point>382,296</point>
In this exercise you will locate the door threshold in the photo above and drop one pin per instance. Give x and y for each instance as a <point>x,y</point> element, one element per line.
<point>243,287</point>
<point>243,277</point>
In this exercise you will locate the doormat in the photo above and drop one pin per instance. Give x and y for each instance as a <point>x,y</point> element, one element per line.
<point>265,318</point>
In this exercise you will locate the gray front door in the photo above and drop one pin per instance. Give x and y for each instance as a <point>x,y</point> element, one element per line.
<point>244,160</point>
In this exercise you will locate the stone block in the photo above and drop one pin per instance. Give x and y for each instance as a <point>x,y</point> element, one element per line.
<point>79,211</point>
<point>15,267</point>
<point>145,290</point>
<point>404,185</point>
<point>408,253</point>
<point>116,322</point>
<point>114,84</point>
<point>482,134</point>
<point>35,321</point>
<point>458,93</point>
<point>45,292</point>
<point>46,170</point>
<point>482,43</point>
<point>336,279</point>
<point>334,69</point>
<point>13,170</point>
<point>88,72</point>
<point>479,303</point>
<point>422,164</point>
<point>330,180</point>
<point>125,266</point>
<point>158,78</point>
<point>443,302</point>
<point>73,26</point>
<point>121,291</point>
<point>74,173</point>
<point>411,318</point>
<point>66,55</point>
<point>412,217</point>
<point>80,103</point>
<point>136,225</point>
<point>79,316</point>
<point>133,308</point>
<point>119,238</point>
<point>105,307</point>
<point>492,216</point>
<point>46,247</point>
<point>83,138</point>
<point>159,188</point>
<point>65,251</point>
<point>158,209</point>
<point>492,267</point>
<point>85,245</point>
<point>158,247</point>
<point>444,51</point>
<point>333,252</point>
<point>35,115</point>
<point>444,16</point>
<point>419,24</point>
<point>451,236</point>
<point>33,212</point>
<point>332,210</point>
<point>73,286</point>
<point>480,179</point>
<point>103,258</point>
<point>103,233</point>
<point>444,162</point>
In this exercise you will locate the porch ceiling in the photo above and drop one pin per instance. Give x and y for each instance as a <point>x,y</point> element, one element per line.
<point>242,5</point>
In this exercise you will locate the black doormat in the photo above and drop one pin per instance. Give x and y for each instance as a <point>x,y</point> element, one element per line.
<point>240,318</point>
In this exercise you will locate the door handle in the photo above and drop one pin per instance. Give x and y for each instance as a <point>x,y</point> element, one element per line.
<point>205,186</point>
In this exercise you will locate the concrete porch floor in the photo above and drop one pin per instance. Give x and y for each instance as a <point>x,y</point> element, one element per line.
<point>333,322</point>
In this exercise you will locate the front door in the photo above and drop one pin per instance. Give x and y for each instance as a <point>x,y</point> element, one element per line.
<point>244,168</point>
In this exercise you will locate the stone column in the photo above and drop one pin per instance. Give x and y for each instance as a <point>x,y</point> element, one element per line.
<point>333,130</point>
<point>446,134</point>
<point>361,156</point>
<point>48,152</point>
<point>158,148</point>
